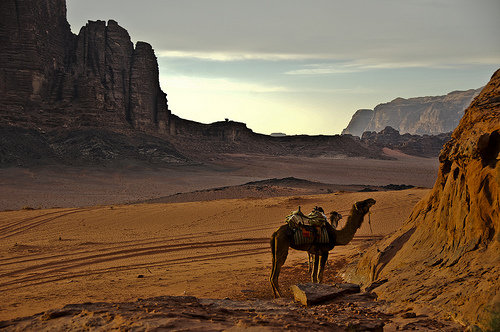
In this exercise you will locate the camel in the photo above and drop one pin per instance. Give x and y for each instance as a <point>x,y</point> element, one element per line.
<point>281,240</point>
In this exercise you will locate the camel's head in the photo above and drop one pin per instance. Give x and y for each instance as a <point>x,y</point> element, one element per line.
<point>318,209</point>
<point>334,218</point>
<point>364,206</point>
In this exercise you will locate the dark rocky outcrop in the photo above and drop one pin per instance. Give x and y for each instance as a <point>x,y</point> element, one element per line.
<point>85,146</point>
<point>355,312</point>
<point>421,116</point>
<point>415,145</point>
<point>448,253</point>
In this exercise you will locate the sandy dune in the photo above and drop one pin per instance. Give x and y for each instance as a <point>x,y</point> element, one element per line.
<point>212,249</point>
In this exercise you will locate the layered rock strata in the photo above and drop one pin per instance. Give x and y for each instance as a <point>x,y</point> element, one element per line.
<point>448,253</point>
<point>50,78</point>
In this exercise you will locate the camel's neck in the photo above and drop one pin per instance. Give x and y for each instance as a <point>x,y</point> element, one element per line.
<point>345,235</point>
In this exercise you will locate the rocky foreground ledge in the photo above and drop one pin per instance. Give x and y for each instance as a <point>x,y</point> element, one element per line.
<point>351,312</point>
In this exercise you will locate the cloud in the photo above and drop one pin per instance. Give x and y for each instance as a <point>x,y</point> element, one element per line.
<point>330,64</point>
<point>217,84</point>
<point>322,69</point>
<point>362,65</point>
<point>237,56</point>
<point>349,67</point>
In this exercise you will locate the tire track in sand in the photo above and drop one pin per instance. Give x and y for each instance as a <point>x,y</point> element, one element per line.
<point>36,272</point>
<point>17,222</point>
<point>20,226</point>
<point>164,263</point>
<point>130,244</point>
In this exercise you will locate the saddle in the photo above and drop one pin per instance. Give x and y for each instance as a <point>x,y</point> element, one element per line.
<point>308,229</point>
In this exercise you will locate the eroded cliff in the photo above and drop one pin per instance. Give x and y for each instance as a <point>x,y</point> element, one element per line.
<point>421,116</point>
<point>448,253</point>
<point>50,77</point>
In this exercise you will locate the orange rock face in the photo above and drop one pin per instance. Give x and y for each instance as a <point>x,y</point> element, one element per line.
<point>447,256</point>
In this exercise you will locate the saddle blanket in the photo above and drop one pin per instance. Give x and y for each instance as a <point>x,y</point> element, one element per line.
<point>310,235</point>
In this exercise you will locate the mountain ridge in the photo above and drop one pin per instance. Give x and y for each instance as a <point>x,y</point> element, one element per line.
<point>97,81</point>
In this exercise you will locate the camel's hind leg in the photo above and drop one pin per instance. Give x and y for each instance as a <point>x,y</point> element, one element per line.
<point>279,249</point>
<point>310,261</point>
<point>314,273</point>
<point>322,264</point>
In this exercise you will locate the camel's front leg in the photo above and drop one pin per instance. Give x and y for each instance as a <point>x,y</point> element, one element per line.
<point>324,258</point>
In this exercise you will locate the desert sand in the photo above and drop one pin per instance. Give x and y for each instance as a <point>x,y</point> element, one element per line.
<point>212,249</point>
<point>97,251</point>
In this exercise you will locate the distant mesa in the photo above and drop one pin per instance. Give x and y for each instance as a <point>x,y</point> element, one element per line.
<point>278,134</point>
<point>416,116</point>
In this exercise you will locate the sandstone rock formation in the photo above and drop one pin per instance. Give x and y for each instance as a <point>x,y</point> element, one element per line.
<point>53,78</point>
<point>34,36</point>
<point>422,115</point>
<point>448,253</point>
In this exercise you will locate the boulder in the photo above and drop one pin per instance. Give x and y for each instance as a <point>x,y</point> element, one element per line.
<point>310,293</point>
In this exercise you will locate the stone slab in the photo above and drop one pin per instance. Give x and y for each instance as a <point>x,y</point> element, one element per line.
<point>310,293</point>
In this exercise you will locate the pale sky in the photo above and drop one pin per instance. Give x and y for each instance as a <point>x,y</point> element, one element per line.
<point>304,67</point>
